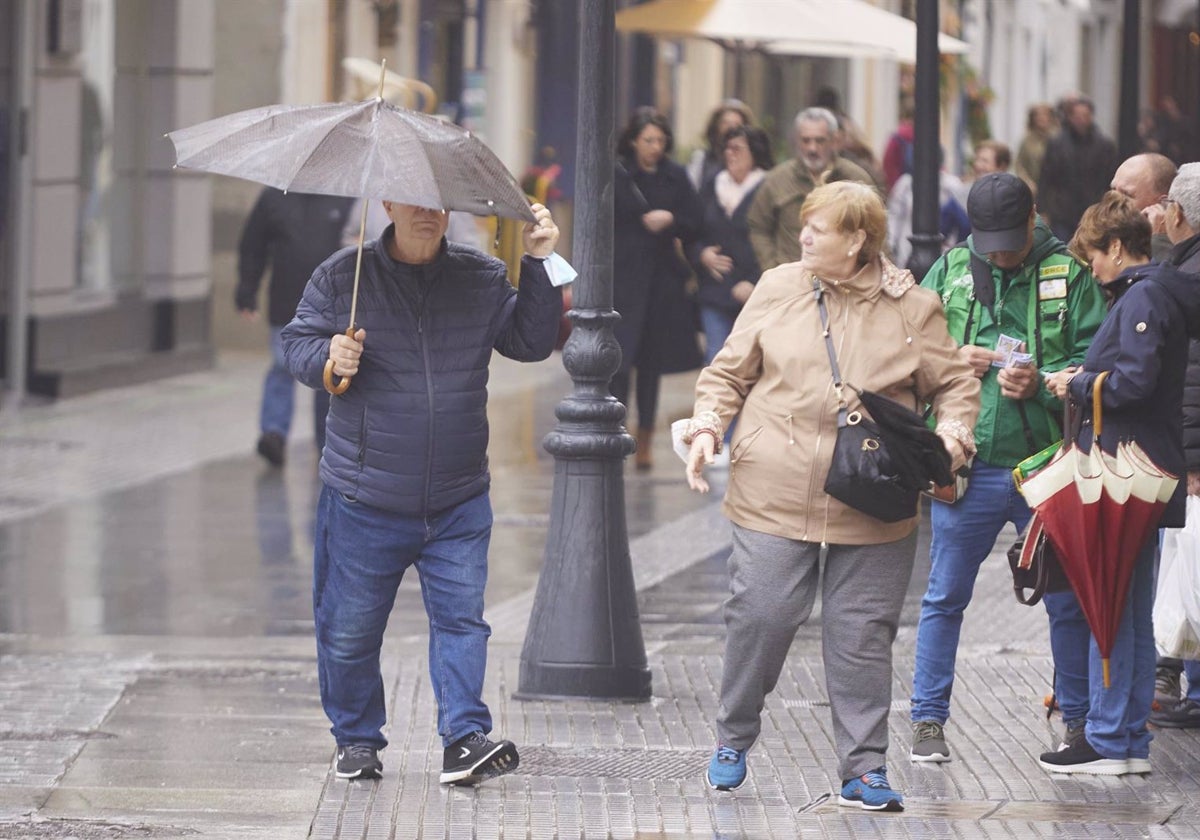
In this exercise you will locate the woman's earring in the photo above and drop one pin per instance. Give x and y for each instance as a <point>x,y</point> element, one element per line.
<point>849,253</point>
<point>1117,261</point>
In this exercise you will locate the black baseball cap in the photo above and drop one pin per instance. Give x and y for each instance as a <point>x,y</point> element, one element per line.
<point>998,206</point>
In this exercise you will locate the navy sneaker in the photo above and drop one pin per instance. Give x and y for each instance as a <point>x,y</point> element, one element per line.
<point>727,770</point>
<point>473,758</point>
<point>872,792</point>
<point>1183,715</point>
<point>358,761</point>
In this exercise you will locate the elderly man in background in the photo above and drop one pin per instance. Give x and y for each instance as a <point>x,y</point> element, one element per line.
<point>774,217</point>
<point>1146,179</point>
<point>1181,223</point>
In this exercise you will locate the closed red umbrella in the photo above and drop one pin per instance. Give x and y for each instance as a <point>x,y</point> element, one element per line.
<point>1098,510</point>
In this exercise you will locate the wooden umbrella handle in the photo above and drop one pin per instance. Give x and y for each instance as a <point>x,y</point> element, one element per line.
<point>1097,411</point>
<point>341,387</point>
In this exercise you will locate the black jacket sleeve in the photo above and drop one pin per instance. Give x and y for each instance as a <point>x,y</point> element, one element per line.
<point>254,250</point>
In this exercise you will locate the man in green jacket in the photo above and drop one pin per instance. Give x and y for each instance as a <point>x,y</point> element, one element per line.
<point>1020,306</point>
<point>774,215</point>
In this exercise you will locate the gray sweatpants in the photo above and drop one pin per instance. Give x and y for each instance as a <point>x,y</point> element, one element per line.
<point>773,584</point>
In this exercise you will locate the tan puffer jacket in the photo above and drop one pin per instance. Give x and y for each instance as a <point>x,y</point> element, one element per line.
<point>890,337</point>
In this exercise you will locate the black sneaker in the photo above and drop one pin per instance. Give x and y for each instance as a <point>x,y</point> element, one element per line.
<point>271,446</point>
<point>1081,757</point>
<point>473,758</point>
<point>1183,715</point>
<point>358,761</point>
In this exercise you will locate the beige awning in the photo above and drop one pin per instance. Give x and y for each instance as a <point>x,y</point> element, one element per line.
<point>842,28</point>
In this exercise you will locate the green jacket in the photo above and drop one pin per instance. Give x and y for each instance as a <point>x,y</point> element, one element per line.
<point>1056,317</point>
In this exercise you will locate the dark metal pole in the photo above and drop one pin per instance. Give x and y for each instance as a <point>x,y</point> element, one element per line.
<point>1127,120</point>
<point>926,238</point>
<point>584,639</point>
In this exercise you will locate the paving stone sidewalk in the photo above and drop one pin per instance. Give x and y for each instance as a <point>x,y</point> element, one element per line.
<point>221,736</point>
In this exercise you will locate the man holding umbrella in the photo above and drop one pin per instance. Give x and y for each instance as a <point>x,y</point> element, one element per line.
<point>405,466</point>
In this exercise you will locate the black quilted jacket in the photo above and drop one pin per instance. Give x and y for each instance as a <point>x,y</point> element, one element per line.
<point>411,433</point>
<point>1186,255</point>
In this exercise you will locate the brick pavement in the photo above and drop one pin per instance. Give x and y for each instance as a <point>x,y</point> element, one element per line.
<point>187,736</point>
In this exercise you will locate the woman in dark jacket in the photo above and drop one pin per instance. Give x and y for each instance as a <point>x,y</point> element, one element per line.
<point>653,205</point>
<point>1142,344</point>
<point>726,268</point>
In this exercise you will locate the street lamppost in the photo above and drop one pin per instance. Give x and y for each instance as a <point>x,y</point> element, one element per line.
<point>584,638</point>
<point>926,237</point>
<point>1127,118</point>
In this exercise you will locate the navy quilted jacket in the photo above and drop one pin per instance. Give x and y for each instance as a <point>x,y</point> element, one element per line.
<point>411,433</point>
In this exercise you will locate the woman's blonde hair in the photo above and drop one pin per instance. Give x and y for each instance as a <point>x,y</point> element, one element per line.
<point>853,207</point>
<point>1114,216</point>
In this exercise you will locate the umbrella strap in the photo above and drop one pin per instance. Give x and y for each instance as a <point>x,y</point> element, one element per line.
<point>838,385</point>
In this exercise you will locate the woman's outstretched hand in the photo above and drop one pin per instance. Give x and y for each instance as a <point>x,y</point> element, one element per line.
<point>700,455</point>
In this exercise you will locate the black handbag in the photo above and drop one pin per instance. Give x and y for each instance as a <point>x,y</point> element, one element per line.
<point>1035,566</point>
<point>862,473</point>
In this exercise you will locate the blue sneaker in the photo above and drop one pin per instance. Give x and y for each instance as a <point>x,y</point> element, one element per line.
<point>872,792</point>
<point>727,770</point>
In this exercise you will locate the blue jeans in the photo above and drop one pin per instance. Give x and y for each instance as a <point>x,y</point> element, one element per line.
<point>1191,667</point>
<point>963,536</point>
<point>717,325</point>
<point>1116,721</point>
<point>279,397</point>
<point>361,555</point>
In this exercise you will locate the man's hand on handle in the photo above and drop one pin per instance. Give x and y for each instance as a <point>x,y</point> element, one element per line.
<point>345,352</point>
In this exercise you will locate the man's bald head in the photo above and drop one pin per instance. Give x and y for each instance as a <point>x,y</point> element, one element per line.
<point>1145,179</point>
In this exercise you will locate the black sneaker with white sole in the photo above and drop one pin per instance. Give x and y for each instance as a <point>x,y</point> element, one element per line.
<point>473,758</point>
<point>1081,757</point>
<point>358,761</point>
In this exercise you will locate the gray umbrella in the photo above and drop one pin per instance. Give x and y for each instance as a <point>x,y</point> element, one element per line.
<point>369,149</point>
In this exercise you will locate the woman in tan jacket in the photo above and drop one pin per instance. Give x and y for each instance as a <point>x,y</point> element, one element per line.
<point>890,337</point>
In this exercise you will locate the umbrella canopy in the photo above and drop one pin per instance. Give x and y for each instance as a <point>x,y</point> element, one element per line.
<point>369,149</point>
<point>918,454</point>
<point>843,28</point>
<point>1098,510</point>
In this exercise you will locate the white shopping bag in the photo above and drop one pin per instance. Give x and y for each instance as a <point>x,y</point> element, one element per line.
<point>1177,601</point>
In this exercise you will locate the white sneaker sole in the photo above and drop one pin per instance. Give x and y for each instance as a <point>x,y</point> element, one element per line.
<point>1100,767</point>
<point>893,805</point>
<point>932,758</point>
<point>1138,765</point>
<point>714,786</point>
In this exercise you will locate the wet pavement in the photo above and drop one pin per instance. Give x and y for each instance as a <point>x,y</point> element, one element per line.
<point>157,670</point>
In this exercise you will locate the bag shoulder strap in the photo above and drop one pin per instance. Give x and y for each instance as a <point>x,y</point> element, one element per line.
<point>838,385</point>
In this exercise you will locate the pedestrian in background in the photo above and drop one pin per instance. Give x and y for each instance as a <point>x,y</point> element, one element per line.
<point>953,224</point>
<point>726,268</point>
<point>850,142</point>
<point>1040,125</point>
<point>1175,708</point>
<point>723,259</point>
<point>1145,179</point>
<point>654,206</point>
<point>404,474</point>
<point>789,536</point>
<point>292,233</point>
<point>1077,168</point>
<point>708,160</point>
<point>774,216</point>
<point>898,151</point>
<point>991,156</point>
<point>1142,345</point>
<point>1011,285</point>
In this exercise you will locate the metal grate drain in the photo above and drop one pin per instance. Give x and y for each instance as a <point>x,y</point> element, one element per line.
<point>613,764</point>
